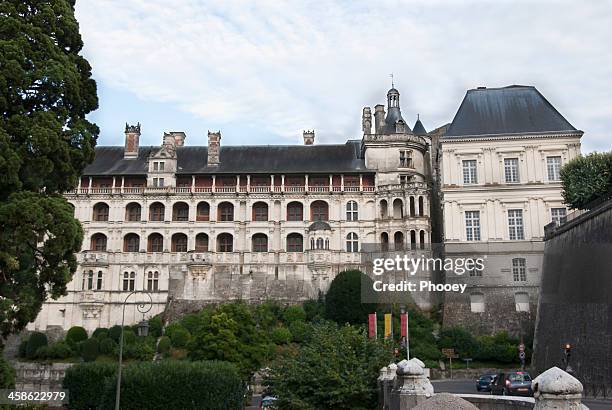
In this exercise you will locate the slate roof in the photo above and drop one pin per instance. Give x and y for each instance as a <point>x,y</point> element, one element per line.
<point>419,129</point>
<point>239,159</point>
<point>515,109</point>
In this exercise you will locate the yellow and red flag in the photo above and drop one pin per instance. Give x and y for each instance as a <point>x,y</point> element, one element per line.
<point>388,326</point>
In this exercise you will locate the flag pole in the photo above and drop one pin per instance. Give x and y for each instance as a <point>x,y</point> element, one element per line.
<point>407,338</point>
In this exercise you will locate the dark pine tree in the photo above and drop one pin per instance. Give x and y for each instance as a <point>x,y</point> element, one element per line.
<point>46,90</point>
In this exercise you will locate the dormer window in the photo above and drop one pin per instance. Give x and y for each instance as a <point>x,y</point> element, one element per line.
<point>158,165</point>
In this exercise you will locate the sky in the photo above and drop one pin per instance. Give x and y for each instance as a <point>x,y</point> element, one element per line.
<point>262,71</point>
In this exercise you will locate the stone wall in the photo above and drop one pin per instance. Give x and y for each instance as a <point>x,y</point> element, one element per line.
<point>39,376</point>
<point>575,305</point>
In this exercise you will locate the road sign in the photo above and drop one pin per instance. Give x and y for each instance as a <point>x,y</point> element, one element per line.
<point>522,347</point>
<point>522,355</point>
<point>450,353</point>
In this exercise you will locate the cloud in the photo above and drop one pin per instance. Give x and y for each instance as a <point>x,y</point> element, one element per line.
<point>280,67</point>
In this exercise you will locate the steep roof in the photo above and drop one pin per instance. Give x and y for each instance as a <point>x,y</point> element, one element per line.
<point>515,109</point>
<point>418,128</point>
<point>238,159</point>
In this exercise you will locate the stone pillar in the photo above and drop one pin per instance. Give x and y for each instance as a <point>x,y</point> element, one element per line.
<point>389,384</point>
<point>412,387</point>
<point>380,383</point>
<point>556,389</point>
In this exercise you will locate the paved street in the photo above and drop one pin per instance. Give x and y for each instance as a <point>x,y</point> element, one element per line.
<point>469,386</point>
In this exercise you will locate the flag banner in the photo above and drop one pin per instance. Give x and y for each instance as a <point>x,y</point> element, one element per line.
<point>404,324</point>
<point>388,326</point>
<point>372,324</point>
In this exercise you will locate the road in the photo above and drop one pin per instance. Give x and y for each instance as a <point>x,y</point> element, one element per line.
<point>469,386</point>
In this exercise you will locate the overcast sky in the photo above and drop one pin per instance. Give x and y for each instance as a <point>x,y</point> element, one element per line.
<point>262,71</point>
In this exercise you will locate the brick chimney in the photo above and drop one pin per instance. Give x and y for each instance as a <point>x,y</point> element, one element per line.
<point>132,135</point>
<point>214,146</point>
<point>309,137</point>
<point>179,138</point>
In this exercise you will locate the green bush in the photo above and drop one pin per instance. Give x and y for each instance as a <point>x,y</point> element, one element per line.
<point>59,350</point>
<point>294,313</point>
<point>587,178</point>
<point>7,374</point>
<point>281,335</point>
<point>100,333</point>
<point>90,349</point>
<point>75,335</point>
<point>459,339</point>
<point>115,332</point>
<point>23,345</point>
<point>314,309</point>
<point>180,337</point>
<point>85,382</point>
<point>164,345</point>
<point>343,300</point>
<point>108,346</point>
<point>298,330</point>
<point>177,385</point>
<point>129,337</point>
<point>35,342</point>
<point>155,326</point>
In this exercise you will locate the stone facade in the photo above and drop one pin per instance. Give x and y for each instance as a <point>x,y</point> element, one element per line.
<point>199,225</point>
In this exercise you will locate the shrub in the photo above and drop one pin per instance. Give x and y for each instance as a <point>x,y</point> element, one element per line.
<point>459,339</point>
<point>90,349</point>
<point>100,333</point>
<point>59,350</point>
<point>180,337</point>
<point>587,178</point>
<point>129,337</point>
<point>23,345</point>
<point>85,382</point>
<point>115,332</point>
<point>75,335</point>
<point>164,345</point>
<point>343,300</point>
<point>294,313</point>
<point>155,326</point>
<point>7,374</point>
<point>298,331</point>
<point>108,346</point>
<point>35,342</point>
<point>43,352</point>
<point>177,385</point>
<point>281,335</point>
<point>314,309</point>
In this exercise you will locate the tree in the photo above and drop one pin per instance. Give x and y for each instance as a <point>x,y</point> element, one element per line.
<point>587,178</point>
<point>336,369</point>
<point>46,90</point>
<point>343,300</point>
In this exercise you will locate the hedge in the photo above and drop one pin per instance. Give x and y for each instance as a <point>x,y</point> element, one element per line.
<point>107,346</point>
<point>586,179</point>
<point>35,342</point>
<point>75,335</point>
<point>85,381</point>
<point>90,349</point>
<point>100,333</point>
<point>7,374</point>
<point>177,385</point>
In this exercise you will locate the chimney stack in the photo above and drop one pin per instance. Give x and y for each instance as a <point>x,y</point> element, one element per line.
<point>366,120</point>
<point>179,138</point>
<point>309,137</point>
<point>379,117</point>
<point>214,145</point>
<point>132,135</point>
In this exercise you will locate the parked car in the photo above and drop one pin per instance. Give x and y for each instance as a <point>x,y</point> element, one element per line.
<point>267,403</point>
<point>483,383</point>
<point>512,384</point>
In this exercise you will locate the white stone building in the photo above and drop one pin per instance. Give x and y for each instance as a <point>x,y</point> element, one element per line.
<point>199,224</point>
<point>500,165</point>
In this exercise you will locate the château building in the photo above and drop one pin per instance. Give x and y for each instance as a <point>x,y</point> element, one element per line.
<point>200,224</point>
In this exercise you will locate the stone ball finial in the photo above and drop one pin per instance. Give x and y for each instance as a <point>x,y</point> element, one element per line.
<point>391,369</point>
<point>410,368</point>
<point>445,401</point>
<point>556,381</point>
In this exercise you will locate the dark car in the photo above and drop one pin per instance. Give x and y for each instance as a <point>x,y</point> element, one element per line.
<point>483,383</point>
<point>512,384</point>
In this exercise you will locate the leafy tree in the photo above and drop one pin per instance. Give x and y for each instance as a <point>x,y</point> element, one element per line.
<point>35,342</point>
<point>459,339</point>
<point>281,335</point>
<point>90,349</point>
<point>587,178</point>
<point>336,369</point>
<point>294,313</point>
<point>46,90</point>
<point>343,300</point>
<point>7,373</point>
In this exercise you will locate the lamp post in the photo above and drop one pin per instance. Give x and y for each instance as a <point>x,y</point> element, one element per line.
<point>143,330</point>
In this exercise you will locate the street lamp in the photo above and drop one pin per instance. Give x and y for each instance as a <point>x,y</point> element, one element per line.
<point>143,330</point>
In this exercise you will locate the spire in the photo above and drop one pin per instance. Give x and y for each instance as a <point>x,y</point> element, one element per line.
<point>418,128</point>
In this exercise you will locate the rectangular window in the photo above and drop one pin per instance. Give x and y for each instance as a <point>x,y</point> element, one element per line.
<point>519,272</point>
<point>553,165</point>
<point>153,281</point>
<point>469,172</point>
<point>558,215</point>
<point>472,225</point>
<point>155,166</point>
<point>405,159</point>
<point>511,170</point>
<point>161,166</point>
<point>515,224</point>
<point>129,279</point>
